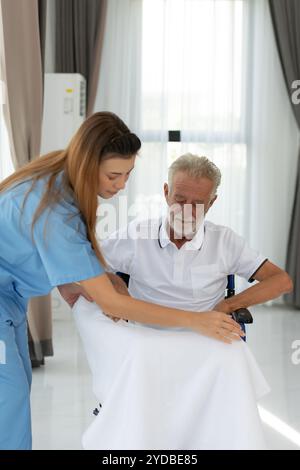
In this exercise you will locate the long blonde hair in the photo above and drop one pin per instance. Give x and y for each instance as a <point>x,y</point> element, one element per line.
<point>99,136</point>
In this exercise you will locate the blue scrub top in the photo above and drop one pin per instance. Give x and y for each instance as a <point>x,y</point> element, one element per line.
<point>59,254</point>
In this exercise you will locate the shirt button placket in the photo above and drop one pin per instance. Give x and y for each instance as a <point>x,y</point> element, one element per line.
<point>178,264</point>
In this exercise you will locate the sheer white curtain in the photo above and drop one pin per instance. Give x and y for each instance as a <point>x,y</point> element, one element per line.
<point>209,69</point>
<point>177,65</point>
<point>193,81</point>
<point>6,165</point>
<point>272,141</point>
<point>119,87</point>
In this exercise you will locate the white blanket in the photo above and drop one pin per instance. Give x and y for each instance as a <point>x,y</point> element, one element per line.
<point>166,389</point>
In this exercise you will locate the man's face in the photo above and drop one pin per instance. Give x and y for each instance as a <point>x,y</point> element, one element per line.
<point>188,199</point>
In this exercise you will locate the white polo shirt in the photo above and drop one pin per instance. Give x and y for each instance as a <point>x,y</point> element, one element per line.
<point>191,278</point>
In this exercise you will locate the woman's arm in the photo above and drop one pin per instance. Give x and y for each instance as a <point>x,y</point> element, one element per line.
<point>120,287</point>
<point>71,293</point>
<point>215,324</point>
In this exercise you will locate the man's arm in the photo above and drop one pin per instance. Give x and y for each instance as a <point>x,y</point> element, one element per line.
<point>273,282</point>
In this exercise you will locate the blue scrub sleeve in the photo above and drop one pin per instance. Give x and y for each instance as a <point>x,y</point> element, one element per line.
<point>66,253</point>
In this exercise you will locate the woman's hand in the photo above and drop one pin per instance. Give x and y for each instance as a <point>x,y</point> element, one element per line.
<point>217,325</point>
<point>222,306</point>
<point>71,292</point>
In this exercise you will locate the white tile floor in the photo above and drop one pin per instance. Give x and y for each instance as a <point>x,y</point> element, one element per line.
<point>62,399</point>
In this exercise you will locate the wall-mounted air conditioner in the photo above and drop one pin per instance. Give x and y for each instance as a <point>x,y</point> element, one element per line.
<point>64,109</point>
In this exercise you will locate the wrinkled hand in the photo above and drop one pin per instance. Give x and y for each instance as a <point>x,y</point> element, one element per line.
<point>71,293</point>
<point>120,287</point>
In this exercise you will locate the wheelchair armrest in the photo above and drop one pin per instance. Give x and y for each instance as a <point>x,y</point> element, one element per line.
<point>242,315</point>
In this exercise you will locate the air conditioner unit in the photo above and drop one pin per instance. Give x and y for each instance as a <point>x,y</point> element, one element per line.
<point>64,109</point>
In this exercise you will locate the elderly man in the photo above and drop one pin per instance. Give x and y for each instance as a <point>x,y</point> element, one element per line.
<point>184,259</point>
<point>169,388</point>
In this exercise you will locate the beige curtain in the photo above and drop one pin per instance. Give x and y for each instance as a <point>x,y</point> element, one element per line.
<point>22,70</point>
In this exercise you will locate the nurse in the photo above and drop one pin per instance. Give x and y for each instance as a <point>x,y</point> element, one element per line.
<point>47,239</point>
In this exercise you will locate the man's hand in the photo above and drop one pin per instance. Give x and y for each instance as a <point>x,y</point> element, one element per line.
<point>120,287</point>
<point>71,292</point>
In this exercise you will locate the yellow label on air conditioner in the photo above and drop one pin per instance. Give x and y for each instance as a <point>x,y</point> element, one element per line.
<point>69,90</point>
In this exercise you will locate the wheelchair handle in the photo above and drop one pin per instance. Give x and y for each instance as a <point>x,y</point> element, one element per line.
<point>242,315</point>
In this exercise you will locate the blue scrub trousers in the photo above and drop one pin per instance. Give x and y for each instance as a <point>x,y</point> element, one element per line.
<point>15,383</point>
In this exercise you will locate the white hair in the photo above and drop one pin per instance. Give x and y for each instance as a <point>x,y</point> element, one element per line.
<point>196,167</point>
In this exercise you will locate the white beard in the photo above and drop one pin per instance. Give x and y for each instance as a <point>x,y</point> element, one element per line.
<point>183,230</point>
<point>186,229</point>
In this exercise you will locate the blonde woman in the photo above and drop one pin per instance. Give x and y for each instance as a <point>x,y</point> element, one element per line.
<point>47,239</point>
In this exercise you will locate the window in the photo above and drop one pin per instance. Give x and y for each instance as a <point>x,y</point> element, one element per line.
<point>194,90</point>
